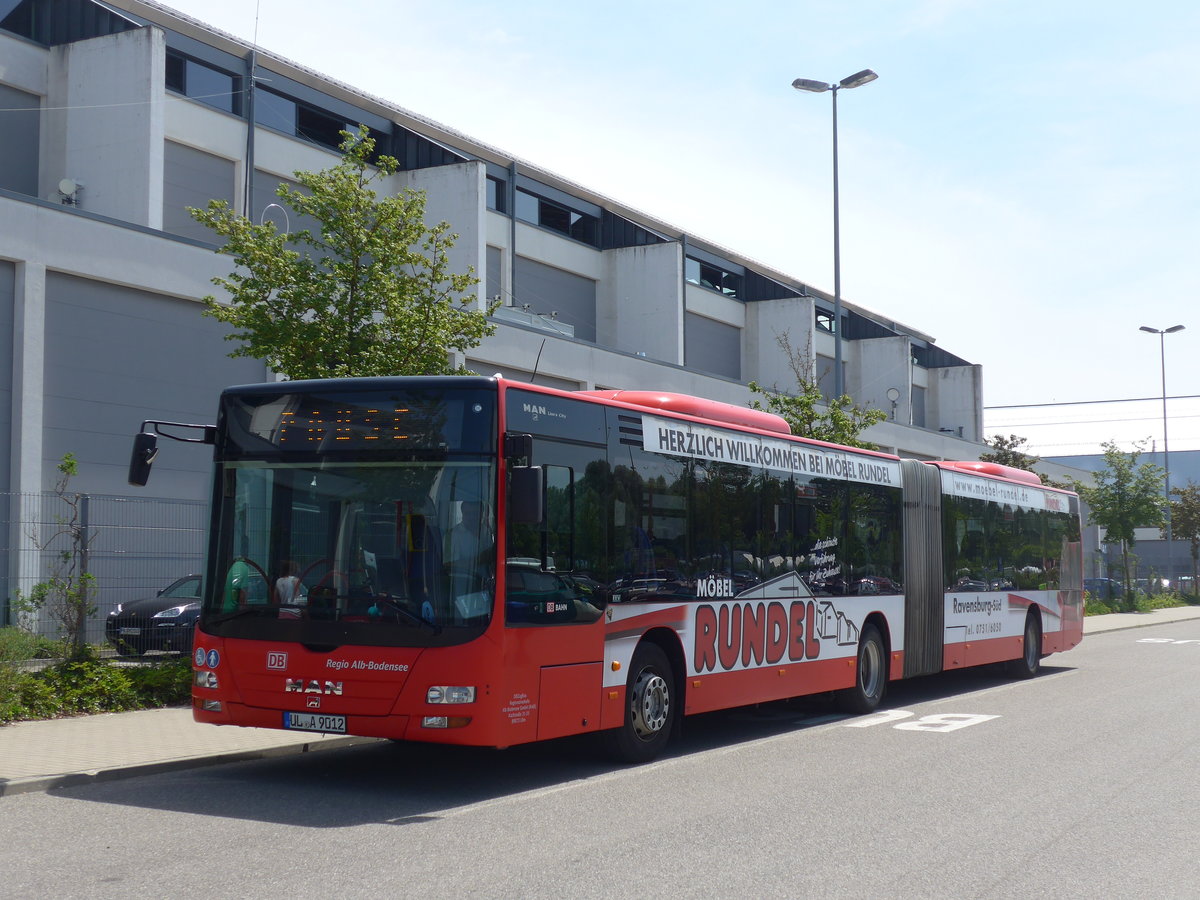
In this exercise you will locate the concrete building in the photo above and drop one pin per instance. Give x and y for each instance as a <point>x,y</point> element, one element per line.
<point>116,116</point>
<point>1150,548</point>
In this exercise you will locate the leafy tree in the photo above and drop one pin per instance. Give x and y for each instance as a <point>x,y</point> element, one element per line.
<point>841,421</point>
<point>1007,452</point>
<point>67,594</point>
<point>1185,524</point>
<point>1126,496</point>
<point>371,294</point>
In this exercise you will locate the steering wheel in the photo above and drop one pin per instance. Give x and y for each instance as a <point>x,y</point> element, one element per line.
<point>326,560</point>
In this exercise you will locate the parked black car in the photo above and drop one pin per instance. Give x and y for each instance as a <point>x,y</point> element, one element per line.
<point>165,621</point>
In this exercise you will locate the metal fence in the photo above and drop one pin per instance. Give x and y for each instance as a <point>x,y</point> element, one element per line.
<point>133,547</point>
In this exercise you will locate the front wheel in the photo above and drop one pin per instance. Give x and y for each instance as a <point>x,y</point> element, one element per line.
<point>870,682</point>
<point>1030,660</point>
<point>650,708</point>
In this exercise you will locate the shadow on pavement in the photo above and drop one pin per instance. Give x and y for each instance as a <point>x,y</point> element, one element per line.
<point>410,784</point>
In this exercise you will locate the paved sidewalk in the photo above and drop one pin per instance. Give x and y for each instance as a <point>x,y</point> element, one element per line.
<point>38,756</point>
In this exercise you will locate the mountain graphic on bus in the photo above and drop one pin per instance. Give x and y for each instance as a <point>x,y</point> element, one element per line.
<point>830,623</point>
<point>788,586</point>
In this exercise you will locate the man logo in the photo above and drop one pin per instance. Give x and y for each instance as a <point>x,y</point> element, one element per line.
<point>312,686</point>
<point>313,703</point>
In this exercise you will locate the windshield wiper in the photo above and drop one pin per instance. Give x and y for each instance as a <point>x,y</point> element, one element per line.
<point>405,613</point>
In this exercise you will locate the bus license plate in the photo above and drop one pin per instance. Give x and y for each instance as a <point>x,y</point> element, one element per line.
<point>299,721</point>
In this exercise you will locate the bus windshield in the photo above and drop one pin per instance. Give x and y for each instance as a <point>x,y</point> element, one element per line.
<point>379,553</point>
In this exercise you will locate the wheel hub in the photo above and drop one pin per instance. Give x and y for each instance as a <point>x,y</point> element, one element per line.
<point>651,704</point>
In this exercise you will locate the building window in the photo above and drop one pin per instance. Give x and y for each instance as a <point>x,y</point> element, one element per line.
<point>555,295</point>
<point>275,111</point>
<point>557,217</point>
<point>20,141</point>
<point>307,122</point>
<point>417,152</point>
<point>320,127</point>
<point>54,22</point>
<point>203,83</point>
<point>713,277</point>
<point>496,195</point>
<point>826,365</point>
<point>712,346</point>
<point>493,280</point>
<point>192,178</point>
<point>825,321</point>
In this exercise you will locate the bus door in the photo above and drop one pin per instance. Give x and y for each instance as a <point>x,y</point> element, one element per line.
<point>553,609</point>
<point>924,592</point>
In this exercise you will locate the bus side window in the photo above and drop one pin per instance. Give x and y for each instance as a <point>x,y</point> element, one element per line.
<point>560,518</point>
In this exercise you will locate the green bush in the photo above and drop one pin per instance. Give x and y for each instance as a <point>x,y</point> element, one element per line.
<point>18,644</point>
<point>1094,606</point>
<point>1162,600</point>
<point>91,686</point>
<point>166,684</point>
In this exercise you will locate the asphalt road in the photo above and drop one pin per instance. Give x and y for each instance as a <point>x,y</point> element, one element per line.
<point>1079,783</point>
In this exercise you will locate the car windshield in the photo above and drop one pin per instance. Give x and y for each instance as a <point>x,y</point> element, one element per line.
<point>187,588</point>
<point>388,553</point>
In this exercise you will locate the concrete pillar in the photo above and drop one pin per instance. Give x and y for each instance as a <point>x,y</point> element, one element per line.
<point>25,475</point>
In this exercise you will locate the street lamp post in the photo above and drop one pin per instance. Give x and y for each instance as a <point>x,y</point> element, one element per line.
<point>818,87</point>
<point>1162,356</point>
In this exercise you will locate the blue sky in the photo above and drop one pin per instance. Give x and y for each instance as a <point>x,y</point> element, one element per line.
<point>1020,183</point>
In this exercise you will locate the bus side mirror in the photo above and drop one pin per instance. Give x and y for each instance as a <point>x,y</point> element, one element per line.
<point>145,449</point>
<point>525,495</point>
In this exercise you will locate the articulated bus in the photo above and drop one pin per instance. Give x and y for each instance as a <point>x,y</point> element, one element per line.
<point>478,561</point>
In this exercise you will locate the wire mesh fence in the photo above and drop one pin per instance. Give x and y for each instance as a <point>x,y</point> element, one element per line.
<point>132,547</point>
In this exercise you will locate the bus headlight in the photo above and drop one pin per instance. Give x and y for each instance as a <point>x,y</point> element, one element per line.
<point>205,679</point>
<point>443,693</point>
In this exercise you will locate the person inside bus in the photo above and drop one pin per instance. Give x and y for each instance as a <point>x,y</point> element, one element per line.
<point>470,540</point>
<point>288,589</point>
<point>236,584</point>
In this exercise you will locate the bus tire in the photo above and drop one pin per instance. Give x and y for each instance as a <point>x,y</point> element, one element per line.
<point>651,705</point>
<point>1030,661</point>
<point>870,675</point>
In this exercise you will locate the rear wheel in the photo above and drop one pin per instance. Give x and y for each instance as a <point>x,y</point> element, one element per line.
<point>1030,660</point>
<point>870,683</point>
<point>650,707</point>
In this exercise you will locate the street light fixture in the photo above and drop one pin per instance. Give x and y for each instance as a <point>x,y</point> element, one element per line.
<point>1162,355</point>
<point>819,87</point>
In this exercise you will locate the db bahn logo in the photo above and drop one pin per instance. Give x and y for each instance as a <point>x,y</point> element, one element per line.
<point>312,686</point>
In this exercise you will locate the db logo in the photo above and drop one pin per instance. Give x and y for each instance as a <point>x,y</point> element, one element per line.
<point>277,659</point>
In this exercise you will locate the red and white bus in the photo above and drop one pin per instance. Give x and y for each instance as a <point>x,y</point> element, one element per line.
<point>479,561</point>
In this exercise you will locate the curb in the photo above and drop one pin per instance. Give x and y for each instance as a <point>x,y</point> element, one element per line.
<point>43,783</point>
<point>1135,620</point>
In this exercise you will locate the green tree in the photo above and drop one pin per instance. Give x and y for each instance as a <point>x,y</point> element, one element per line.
<point>371,294</point>
<point>1126,496</point>
<point>839,420</point>
<point>1185,524</point>
<point>1007,452</point>
<point>67,594</point>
